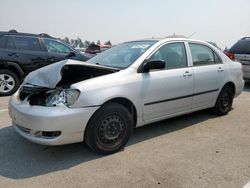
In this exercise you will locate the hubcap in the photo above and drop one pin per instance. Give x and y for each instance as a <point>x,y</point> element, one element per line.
<point>111,130</point>
<point>225,100</point>
<point>7,83</point>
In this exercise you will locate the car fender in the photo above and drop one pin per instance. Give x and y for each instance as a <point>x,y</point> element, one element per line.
<point>7,64</point>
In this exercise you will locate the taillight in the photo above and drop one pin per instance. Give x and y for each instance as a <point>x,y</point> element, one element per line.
<point>230,55</point>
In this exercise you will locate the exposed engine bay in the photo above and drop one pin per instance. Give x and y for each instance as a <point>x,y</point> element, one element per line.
<point>61,93</point>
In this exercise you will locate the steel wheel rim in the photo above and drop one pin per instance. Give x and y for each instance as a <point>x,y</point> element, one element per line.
<point>7,83</point>
<point>225,100</point>
<point>111,131</point>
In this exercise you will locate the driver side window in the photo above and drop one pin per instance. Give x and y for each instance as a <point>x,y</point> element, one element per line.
<point>173,54</point>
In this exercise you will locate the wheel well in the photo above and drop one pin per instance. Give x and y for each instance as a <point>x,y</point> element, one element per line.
<point>13,69</point>
<point>127,104</point>
<point>231,85</point>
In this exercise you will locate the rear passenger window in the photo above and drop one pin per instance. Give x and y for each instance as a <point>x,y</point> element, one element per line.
<point>27,43</point>
<point>202,55</point>
<point>173,54</point>
<point>10,43</point>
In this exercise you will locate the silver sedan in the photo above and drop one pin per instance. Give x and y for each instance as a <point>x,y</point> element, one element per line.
<point>130,85</point>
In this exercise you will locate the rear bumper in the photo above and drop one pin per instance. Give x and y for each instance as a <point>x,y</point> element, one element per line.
<point>30,120</point>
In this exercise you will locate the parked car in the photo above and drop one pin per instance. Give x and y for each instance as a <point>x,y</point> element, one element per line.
<point>81,50</point>
<point>105,47</point>
<point>93,49</point>
<point>240,51</point>
<point>130,85</point>
<point>96,49</point>
<point>21,53</point>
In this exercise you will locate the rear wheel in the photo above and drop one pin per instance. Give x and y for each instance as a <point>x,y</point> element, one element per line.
<point>9,82</point>
<point>109,129</point>
<point>224,101</point>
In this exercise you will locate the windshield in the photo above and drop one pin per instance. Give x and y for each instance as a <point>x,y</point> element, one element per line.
<point>122,55</point>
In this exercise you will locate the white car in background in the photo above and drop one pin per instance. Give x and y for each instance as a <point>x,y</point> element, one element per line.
<point>127,86</point>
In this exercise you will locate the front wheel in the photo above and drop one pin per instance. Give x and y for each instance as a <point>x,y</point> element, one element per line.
<point>109,129</point>
<point>224,101</point>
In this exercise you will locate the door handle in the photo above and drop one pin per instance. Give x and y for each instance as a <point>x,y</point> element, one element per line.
<point>187,74</point>
<point>220,69</point>
<point>13,54</point>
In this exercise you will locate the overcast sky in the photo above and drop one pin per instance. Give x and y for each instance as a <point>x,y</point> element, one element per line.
<point>222,21</point>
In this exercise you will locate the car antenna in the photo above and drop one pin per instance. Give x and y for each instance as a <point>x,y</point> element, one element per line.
<point>192,35</point>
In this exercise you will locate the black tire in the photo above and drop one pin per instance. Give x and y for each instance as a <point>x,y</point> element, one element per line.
<point>224,101</point>
<point>109,129</point>
<point>6,90</point>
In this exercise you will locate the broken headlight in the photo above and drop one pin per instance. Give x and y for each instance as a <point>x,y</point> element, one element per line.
<point>65,96</point>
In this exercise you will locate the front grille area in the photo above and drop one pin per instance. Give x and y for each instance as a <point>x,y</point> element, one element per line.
<point>25,91</point>
<point>35,95</point>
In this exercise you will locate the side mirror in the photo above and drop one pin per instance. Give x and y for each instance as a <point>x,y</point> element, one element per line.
<point>155,64</point>
<point>70,54</point>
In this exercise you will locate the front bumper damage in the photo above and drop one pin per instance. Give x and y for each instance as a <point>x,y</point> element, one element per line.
<point>54,123</point>
<point>49,125</point>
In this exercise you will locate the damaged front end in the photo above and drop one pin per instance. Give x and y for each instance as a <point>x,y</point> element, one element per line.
<point>50,86</point>
<point>48,97</point>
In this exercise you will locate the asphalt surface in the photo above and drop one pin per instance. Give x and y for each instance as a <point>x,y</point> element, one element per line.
<point>194,150</point>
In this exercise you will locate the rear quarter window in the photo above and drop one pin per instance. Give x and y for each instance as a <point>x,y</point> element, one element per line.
<point>241,47</point>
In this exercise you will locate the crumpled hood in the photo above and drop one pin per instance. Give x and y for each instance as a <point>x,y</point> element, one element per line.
<point>49,76</point>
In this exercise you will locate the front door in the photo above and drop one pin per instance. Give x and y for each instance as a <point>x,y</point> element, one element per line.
<point>168,91</point>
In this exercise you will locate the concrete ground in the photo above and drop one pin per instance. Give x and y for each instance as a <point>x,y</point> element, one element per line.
<point>195,150</point>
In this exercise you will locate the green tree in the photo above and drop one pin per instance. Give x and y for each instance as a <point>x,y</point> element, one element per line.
<point>86,43</point>
<point>98,42</point>
<point>108,43</point>
<point>79,42</point>
<point>66,40</point>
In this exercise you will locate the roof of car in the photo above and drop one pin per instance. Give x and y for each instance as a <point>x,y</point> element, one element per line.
<point>245,38</point>
<point>170,37</point>
<point>165,39</point>
<point>14,32</point>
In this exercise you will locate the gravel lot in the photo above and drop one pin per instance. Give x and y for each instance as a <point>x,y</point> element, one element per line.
<point>195,150</point>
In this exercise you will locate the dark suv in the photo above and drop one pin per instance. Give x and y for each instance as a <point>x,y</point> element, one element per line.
<point>21,53</point>
<point>240,51</point>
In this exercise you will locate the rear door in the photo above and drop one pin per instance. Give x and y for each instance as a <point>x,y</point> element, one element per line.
<point>6,48</point>
<point>27,52</point>
<point>208,75</point>
<point>169,91</point>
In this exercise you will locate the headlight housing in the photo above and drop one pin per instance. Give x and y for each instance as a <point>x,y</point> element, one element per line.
<point>65,96</point>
